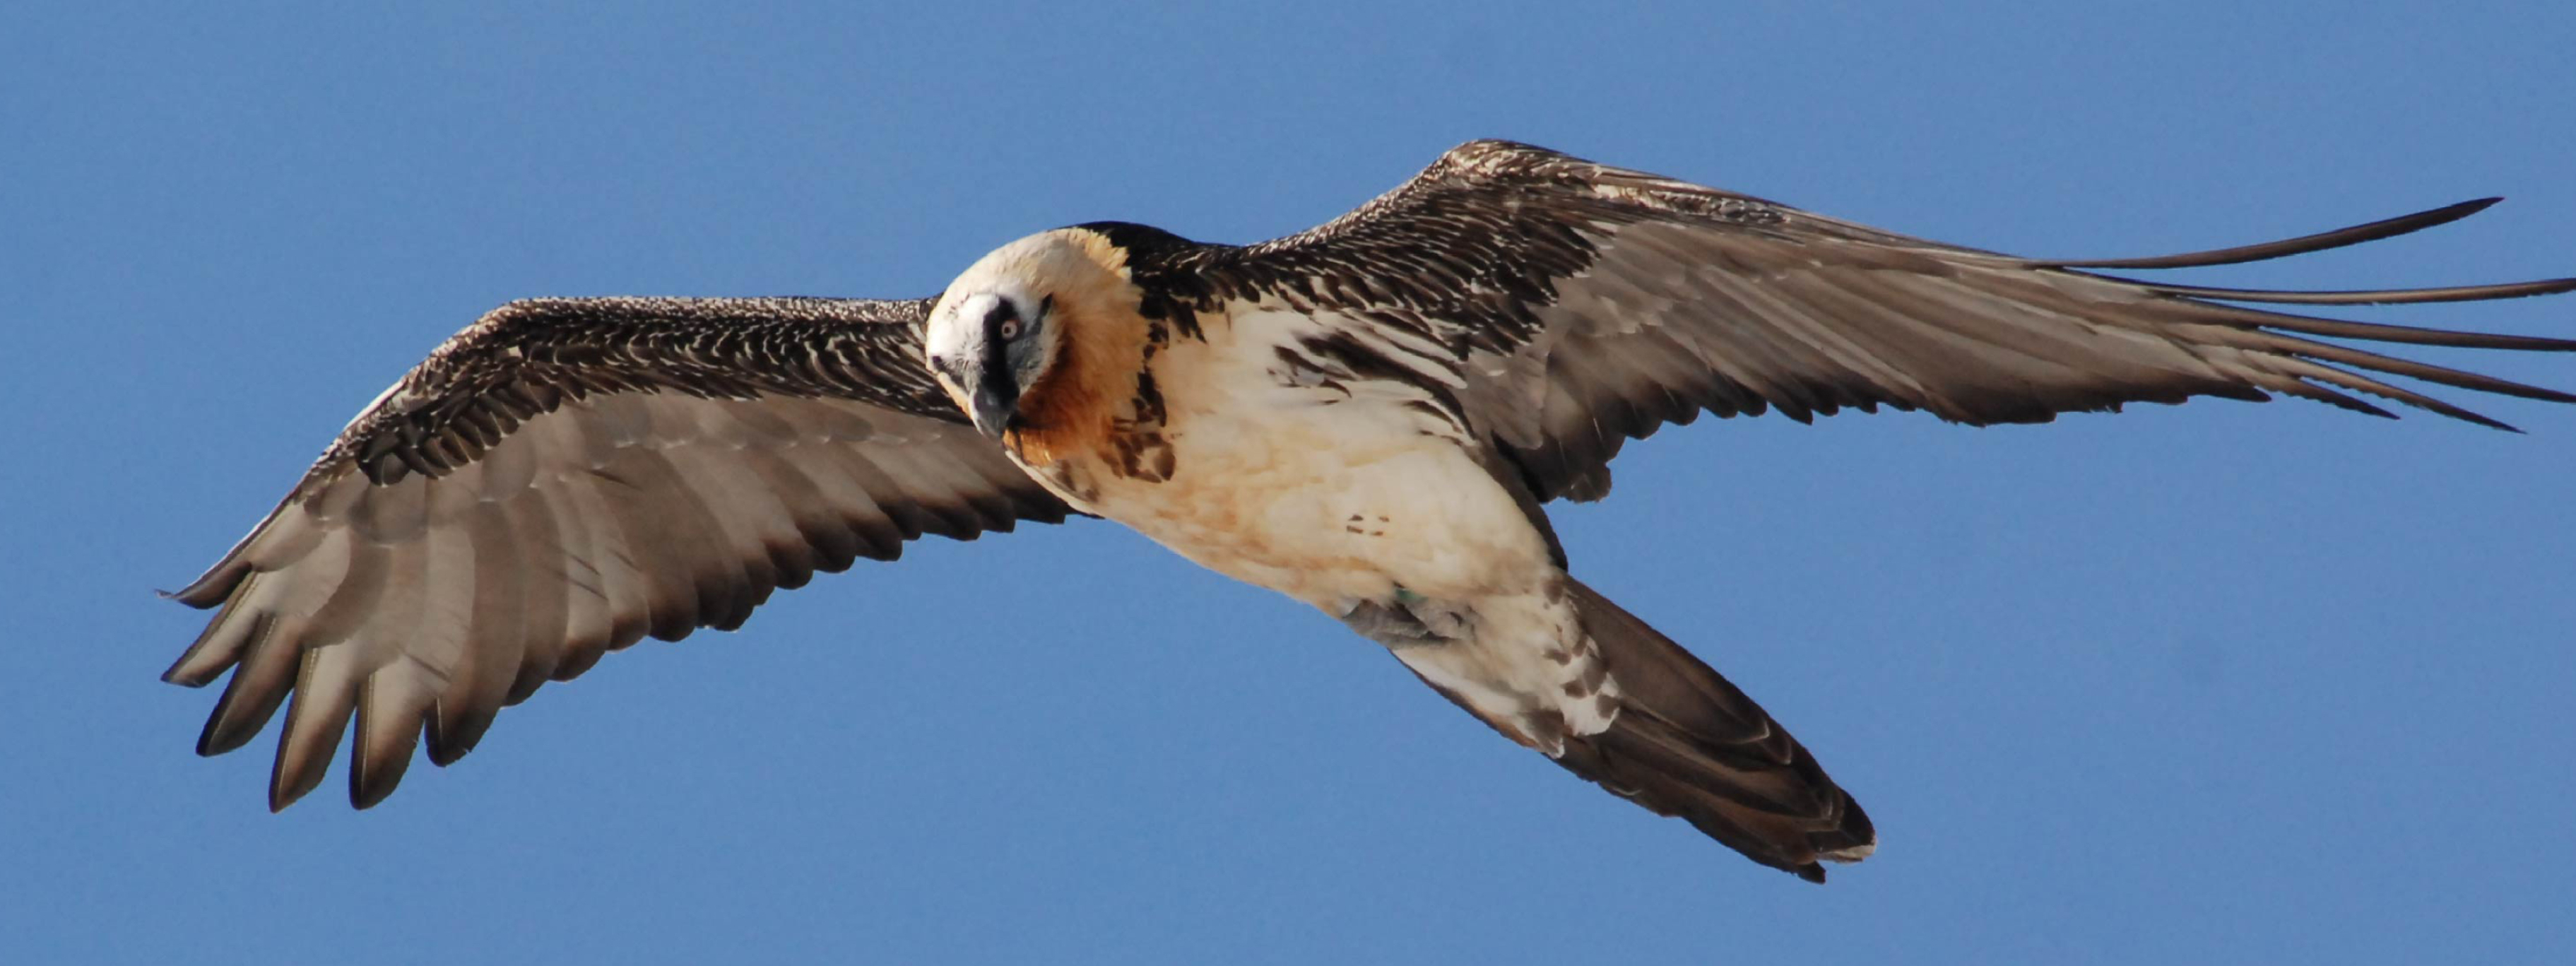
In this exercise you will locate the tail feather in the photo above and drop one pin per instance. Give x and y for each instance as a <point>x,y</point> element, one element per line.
<point>1687,743</point>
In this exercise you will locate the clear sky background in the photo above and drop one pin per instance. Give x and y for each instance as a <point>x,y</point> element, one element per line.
<point>2221,682</point>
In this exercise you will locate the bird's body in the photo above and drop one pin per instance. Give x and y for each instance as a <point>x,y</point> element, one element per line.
<point>1354,506</point>
<point>1355,497</point>
<point>1368,417</point>
<point>1323,501</point>
<point>1324,493</point>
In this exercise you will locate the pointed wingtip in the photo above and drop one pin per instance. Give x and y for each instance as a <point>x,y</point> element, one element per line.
<point>2321,241</point>
<point>213,586</point>
<point>285,789</point>
<point>2447,213</point>
<point>215,740</point>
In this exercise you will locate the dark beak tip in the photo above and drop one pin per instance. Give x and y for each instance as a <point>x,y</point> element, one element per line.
<point>991,415</point>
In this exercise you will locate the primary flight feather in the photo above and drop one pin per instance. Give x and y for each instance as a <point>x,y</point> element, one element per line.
<point>1368,417</point>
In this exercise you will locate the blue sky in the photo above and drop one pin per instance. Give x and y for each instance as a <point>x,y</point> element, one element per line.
<point>2218,682</point>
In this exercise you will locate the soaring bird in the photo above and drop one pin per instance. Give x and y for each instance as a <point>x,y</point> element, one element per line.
<point>1369,416</point>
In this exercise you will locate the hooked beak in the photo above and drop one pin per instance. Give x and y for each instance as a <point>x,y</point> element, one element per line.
<point>981,384</point>
<point>995,402</point>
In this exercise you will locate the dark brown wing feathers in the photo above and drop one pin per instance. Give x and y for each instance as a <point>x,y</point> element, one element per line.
<point>560,480</point>
<point>1588,305</point>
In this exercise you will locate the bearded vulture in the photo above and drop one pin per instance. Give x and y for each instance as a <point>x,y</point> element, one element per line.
<point>1368,417</point>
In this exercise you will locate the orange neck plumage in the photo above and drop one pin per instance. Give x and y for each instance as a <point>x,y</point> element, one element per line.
<point>1084,403</point>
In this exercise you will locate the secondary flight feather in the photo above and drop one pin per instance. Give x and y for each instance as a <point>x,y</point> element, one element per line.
<point>1368,417</point>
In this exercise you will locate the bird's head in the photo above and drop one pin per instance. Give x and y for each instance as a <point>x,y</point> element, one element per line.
<point>1008,331</point>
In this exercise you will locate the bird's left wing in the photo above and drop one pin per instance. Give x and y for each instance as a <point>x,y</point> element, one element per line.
<point>561,479</point>
<point>1581,305</point>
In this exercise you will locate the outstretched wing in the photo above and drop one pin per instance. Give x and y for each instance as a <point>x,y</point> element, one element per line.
<point>1583,305</point>
<point>561,479</point>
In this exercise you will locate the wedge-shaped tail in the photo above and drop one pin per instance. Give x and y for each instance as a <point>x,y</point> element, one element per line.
<point>1691,745</point>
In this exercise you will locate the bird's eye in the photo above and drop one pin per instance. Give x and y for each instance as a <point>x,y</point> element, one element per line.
<point>1010,328</point>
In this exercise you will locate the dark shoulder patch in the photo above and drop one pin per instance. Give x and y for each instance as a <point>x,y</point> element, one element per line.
<point>1169,269</point>
<point>1139,240</point>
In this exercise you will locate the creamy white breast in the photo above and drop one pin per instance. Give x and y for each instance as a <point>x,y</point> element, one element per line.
<point>1327,493</point>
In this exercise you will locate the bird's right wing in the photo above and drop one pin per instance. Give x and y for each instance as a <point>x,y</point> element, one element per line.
<point>561,479</point>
